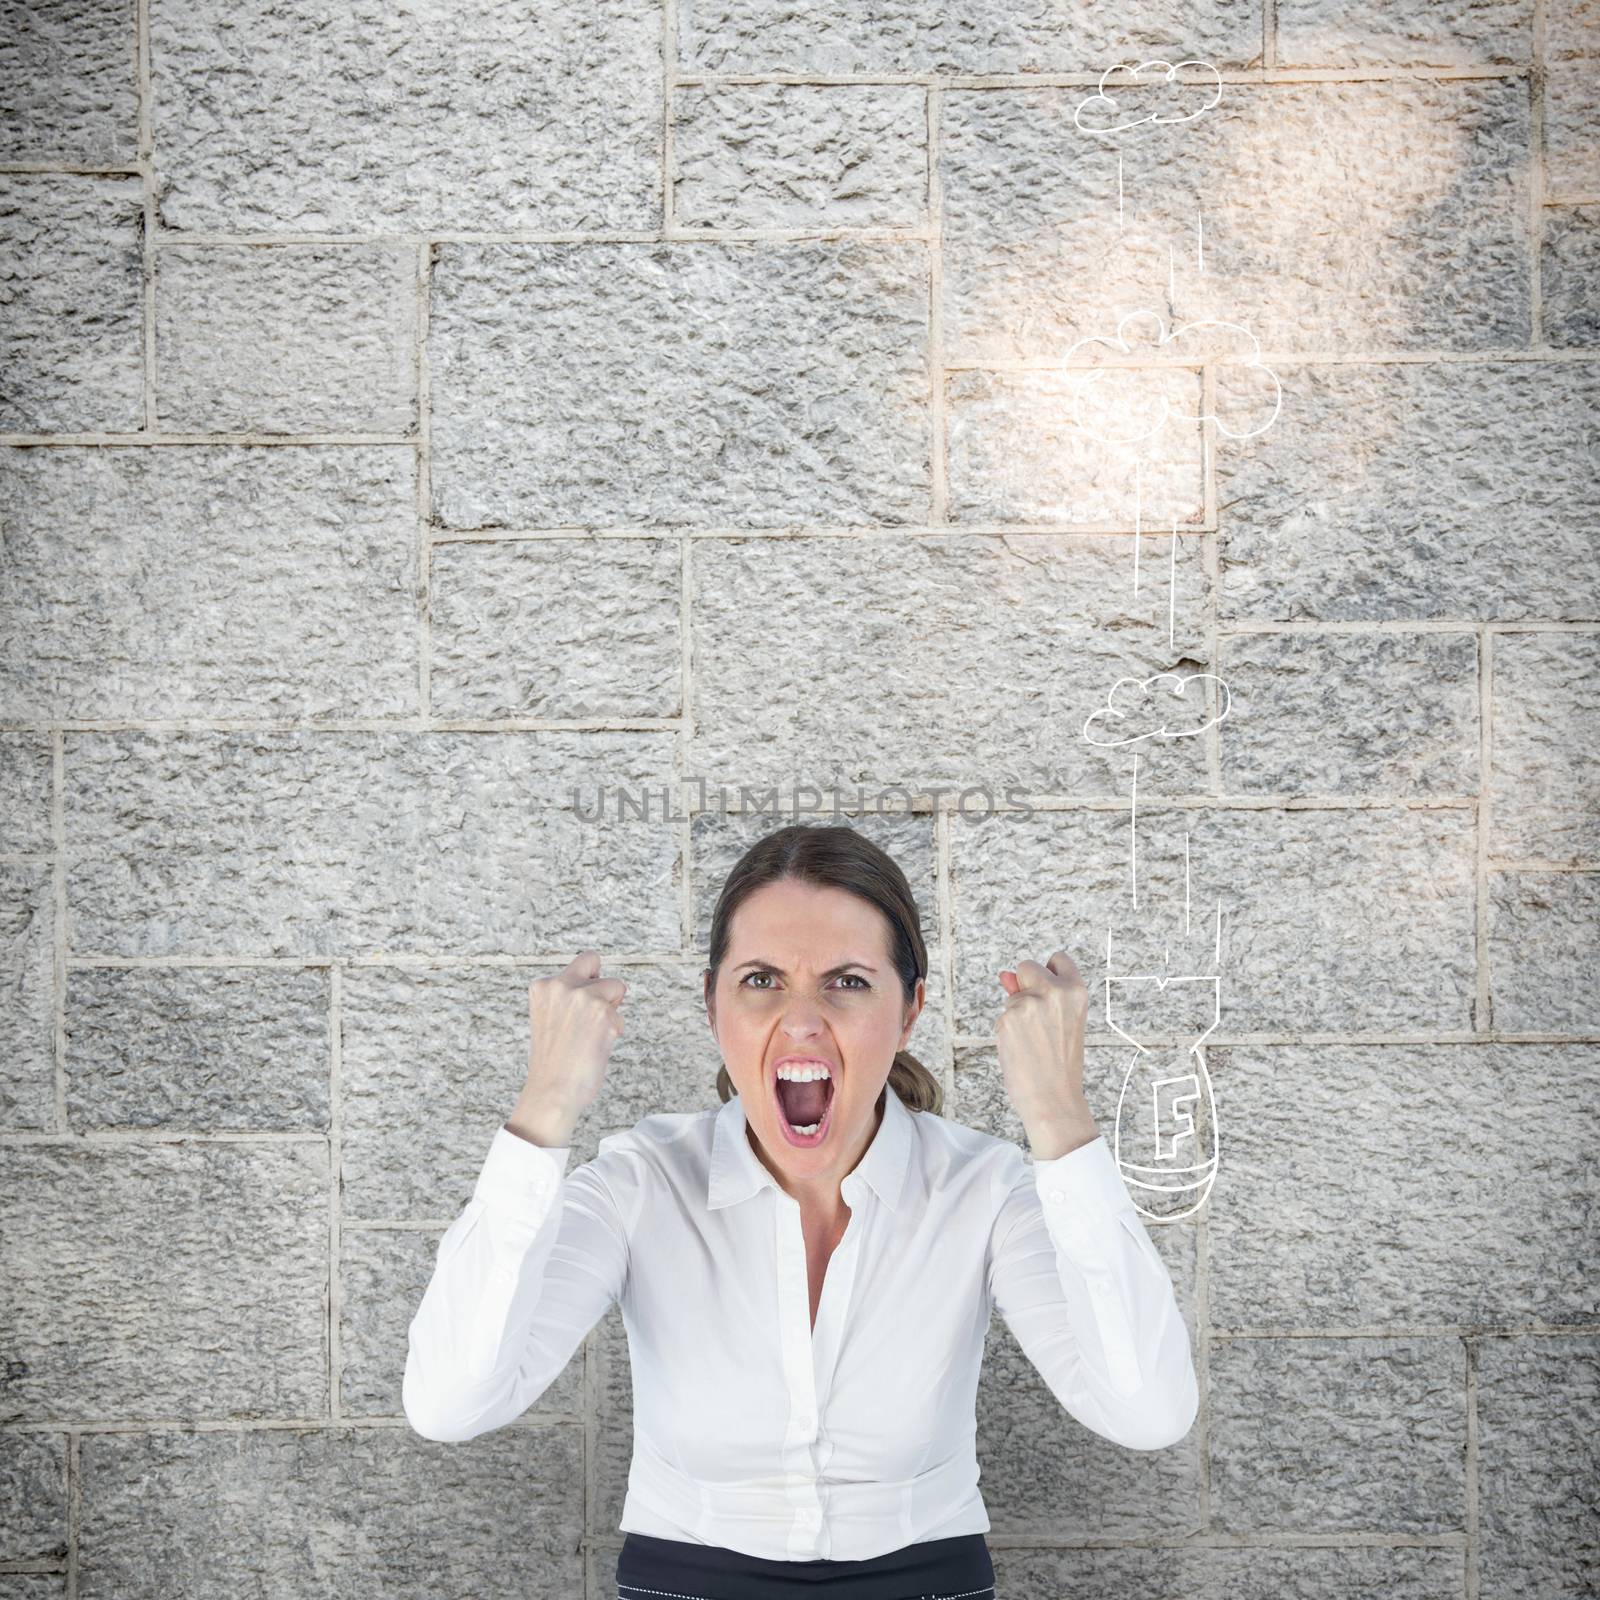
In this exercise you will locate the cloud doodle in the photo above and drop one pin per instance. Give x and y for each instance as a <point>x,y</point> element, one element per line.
<point>1100,114</point>
<point>1133,703</point>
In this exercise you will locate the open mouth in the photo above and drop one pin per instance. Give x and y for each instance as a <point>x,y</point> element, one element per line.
<point>804,1106</point>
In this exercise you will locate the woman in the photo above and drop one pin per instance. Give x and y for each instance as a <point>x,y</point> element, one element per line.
<point>806,1275</point>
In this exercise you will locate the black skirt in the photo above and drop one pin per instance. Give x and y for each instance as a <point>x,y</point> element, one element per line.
<point>675,1569</point>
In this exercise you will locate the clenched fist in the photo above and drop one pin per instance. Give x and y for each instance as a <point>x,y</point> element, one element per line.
<point>574,1018</point>
<point>1039,1040</point>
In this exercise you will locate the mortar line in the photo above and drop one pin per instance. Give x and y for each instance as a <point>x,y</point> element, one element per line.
<point>1471,1488</point>
<point>1537,185</point>
<point>423,462</point>
<point>335,1188</point>
<point>938,376</point>
<point>1483,1019</point>
<point>944,906</point>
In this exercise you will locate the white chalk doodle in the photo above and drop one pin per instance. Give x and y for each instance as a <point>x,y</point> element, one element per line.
<point>1135,704</point>
<point>1102,115</point>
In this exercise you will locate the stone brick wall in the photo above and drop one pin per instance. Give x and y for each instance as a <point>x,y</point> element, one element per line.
<point>416,418</point>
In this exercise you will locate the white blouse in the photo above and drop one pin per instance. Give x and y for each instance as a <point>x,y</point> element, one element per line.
<point>751,1430</point>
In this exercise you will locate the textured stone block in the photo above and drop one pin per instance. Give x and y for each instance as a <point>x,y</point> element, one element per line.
<point>163,1280</point>
<point>1404,1185</point>
<point>1544,951</point>
<point>1335,1436</point>
<point>778,155</point>
<point>298,338</point>
<point>67,89</point>
<point>301,1512</point>
<point>27,1020</point>
<point>1569,278</point>
<point>383,1274</point>
<point>1045,1475</point>
<point>33,1501</point>
<point>290,116</point>
<point>215,1048</point>
<point>448,1051</point>
<point>974,36</point>
<point>209,581</point>
<point>27,777</point>
<point>1458,490</point>
<point>1357,921</point>
<point>1041,447</point>
<point>298,843</point>
<point>1571,113</point>
<point>1412,33</point>
<point>72,338</point>
<point>1409,230</point>
<point>758,384</point>
<point>1350,713</point>
<point>556,628</point>
<point>1229,1572</point>
<point>1538,1419</point>
<point>1545,753</point>
<point>943,662</point>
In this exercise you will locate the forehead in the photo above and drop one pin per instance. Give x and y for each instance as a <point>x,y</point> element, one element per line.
<point>801,924</point>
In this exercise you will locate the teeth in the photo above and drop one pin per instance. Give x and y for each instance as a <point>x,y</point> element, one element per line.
<point>799,1074</point>
<point>808,1130</point>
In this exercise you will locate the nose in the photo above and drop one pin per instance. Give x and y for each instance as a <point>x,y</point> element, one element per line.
<point>802,1016</point>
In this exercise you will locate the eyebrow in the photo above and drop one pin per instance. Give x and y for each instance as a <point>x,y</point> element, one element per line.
<point>772,966</point>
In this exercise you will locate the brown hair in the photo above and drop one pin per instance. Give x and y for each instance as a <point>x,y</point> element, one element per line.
<point>835,857</point>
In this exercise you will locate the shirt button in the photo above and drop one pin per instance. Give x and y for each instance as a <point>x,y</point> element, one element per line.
<point>1057,1194</point>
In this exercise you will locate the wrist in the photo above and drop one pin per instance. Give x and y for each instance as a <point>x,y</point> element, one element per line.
<point>1059,1134</point>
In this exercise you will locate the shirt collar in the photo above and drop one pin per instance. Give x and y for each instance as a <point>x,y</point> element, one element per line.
<point>737,1172</point>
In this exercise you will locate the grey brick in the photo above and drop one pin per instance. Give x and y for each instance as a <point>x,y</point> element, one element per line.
<point>1045,1476</point>
<point>217,1048</point>
<point>1017,453</point>
<point>1545,766</point>
<point>286,843</point>
<point>1570,277</point>
<point>165,1280</point>
<point>680,383</point>
<point>27,1020</point>
<point>611,1443</point>
<point>67,89</point>
<point>1401,1185</point>
<point>1365,713</point>
<point>1538,1418</point>
<point>33,1499</point>
<point>800,155</point>
<point>448,1051</point>
<point>1417,490</point>
<point>27,777</point>
<point>748,36</point>
<point>301,1512</point>
<point>287,339</point>
<point>1332,920</point>
<point>1228,1572</point>
<point>1571,110</point>
<point>209,580</point>
<point>1333,1436</point>
<point>991,654</point>
<point>556,628</point>
<point>1544,951</point>
<point>297,117</point>
<point>1413,33</point>
<point>72,338</point>
<point>1413,238</point>
<point>383,1273</point>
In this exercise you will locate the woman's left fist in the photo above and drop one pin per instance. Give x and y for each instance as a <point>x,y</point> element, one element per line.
<point>1039,1039</point>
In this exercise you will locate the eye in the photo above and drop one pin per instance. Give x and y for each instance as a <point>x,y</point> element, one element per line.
<point>763,972</point>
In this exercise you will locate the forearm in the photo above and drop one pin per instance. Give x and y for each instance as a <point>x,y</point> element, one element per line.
<point>1061,1132</point>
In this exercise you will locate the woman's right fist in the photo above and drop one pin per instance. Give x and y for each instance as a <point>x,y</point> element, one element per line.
<point>574,1018</point>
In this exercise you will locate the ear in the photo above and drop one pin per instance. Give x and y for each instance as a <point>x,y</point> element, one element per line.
<point>913,1011</point>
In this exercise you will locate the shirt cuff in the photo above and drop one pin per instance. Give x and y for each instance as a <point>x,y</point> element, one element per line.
<point>1083,1195</point>
<point>519,1176</point>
